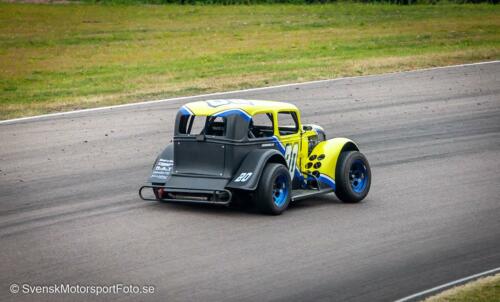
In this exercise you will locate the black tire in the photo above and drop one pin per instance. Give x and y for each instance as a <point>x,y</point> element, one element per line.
<point>352,177</point>
<point>264,195</point>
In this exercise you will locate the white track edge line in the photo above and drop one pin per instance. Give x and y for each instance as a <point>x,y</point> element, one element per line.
<point>43,116</point>
<point>448,285</point>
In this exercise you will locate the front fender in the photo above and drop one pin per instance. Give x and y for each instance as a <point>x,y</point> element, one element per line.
<point>322,161</point>
<point>248,175</point>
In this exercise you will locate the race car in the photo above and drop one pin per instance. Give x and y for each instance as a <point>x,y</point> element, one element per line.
<point>229,149</point>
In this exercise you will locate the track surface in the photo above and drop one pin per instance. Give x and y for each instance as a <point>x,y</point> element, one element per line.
<point>69,210</point>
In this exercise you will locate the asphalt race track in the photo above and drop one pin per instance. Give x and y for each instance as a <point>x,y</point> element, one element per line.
<point>69,210</point>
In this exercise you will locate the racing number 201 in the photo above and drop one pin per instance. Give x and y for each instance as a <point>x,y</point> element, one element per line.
<point>291,153</point>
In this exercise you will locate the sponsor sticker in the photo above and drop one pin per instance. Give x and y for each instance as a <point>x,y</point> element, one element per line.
<point>163,168</point>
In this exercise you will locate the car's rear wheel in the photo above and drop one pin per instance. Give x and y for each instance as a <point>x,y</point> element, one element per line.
<point>274,190</point>
<point>352,177</point>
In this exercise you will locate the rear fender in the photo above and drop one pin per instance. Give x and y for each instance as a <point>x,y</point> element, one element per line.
<point>248,175</point>
<point>163,166</point>
<point>322,161</point>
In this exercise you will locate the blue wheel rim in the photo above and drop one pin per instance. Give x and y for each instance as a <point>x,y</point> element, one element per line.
<point>358,176</point>
<point>280,190</point>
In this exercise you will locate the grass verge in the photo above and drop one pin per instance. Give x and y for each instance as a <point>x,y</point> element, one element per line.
<point>482,290</point>
<point>73,56</point>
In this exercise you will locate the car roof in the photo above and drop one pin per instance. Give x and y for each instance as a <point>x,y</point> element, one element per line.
<point>251,107</point>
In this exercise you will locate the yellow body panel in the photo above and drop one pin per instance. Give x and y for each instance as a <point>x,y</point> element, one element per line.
<point>251,107</point>
<point>291,143</point>
<point>331,150</point>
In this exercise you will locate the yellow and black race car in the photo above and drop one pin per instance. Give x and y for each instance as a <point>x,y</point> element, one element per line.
<point>228,149</point>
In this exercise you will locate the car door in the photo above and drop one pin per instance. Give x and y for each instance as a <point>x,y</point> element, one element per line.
<point>288,132</point>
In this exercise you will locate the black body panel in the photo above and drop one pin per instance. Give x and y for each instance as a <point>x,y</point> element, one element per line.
<point>196,182</point>
<point>248,174</point>
<point>213,163</point>
<point>216,163</point>
<point>199,157</point>
<point>163,166</point>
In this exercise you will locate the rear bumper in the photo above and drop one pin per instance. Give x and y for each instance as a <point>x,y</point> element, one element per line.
<point>170,194</point>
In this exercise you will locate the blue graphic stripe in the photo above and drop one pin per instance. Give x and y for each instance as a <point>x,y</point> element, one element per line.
<point>240,112</point>
<point>327,180</point>
<point>281,148</point>
<point>322,177</point>
<point>279,144</point>
<point>299,175</point>
<point>185,111</point>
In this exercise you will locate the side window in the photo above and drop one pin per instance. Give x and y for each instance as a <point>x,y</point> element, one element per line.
<point>287,123</point>
<point>261,125</point>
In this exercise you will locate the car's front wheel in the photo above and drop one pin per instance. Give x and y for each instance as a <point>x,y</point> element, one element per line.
<point>352,177</point>
<point>274,190</point>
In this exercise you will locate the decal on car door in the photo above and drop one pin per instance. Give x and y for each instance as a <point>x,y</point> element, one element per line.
<point>291,153</point>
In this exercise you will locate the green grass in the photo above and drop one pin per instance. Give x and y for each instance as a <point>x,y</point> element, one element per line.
<point>63,57</point>
<point>482,290</point>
